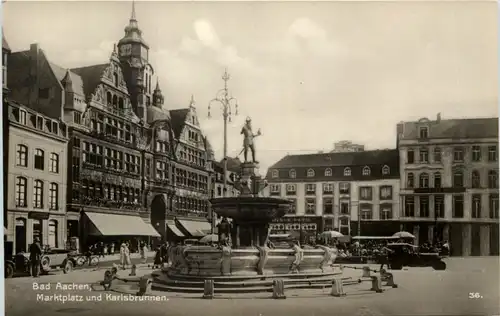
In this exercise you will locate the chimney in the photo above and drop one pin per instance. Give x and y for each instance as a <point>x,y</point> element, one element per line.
<point>438,118</point>
<point>33,74</point>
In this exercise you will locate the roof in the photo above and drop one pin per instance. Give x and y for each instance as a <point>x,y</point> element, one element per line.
<point>157,114</point>
<point>178,118</point>
<point>5,45</point>
<point>452,128</point>
<point>60,73</point>
<point>90,76</point>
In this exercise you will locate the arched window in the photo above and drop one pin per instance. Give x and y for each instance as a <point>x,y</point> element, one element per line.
<point>328,172</point>
<point>386,170</point>
<point>109,98</point>
<point>437,180</point>
<point>424,180</point>
<point>275,173</point>
<point>458,179</point>
<point>292,174</point>
<point>37,230</point>
<point>21,200</point>
<point>22,156</point>
<point>476,179</point>
<point>310,173</point>
<point>410,180</point>
<point>39,159</point>
<point>53,233</point>
<point>38,194</point>
<point>347,172</point>
<point>115,79</point>
<point>492,179</point>
<point>115,101</point>
<point>366,171</point>
<point>120,104</point>
<point>53,196</point>
<point>20,235</point>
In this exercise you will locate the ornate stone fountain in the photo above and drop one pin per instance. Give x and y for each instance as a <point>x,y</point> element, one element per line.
<point>244,257</point>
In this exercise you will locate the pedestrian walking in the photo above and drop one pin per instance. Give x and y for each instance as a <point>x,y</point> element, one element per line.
<point>35,257</point>
<point>123,259</point>
<point>128,262</point>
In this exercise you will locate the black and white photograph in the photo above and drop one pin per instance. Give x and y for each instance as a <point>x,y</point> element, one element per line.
<point>256,158</point>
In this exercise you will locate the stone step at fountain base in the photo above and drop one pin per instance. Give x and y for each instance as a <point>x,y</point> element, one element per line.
<point>241,286</point>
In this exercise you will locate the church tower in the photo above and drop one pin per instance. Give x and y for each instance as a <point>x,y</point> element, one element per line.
<point>157,96</point>
<point>134,57</point>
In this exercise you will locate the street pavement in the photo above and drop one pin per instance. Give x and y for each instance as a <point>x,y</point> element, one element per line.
<point>421,291</point>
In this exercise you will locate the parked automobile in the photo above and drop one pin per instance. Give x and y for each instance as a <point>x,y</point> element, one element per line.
<point>407,255</point>
<point>51,259</point>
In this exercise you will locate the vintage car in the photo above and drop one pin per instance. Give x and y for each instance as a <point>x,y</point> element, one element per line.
<point>51,259</point>
<point>408,255</point>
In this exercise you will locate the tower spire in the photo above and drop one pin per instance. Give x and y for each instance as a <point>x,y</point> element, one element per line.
<point>192,102</point>
<point>132,17</point>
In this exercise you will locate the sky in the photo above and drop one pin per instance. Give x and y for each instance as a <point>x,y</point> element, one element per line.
<point>309,74</point>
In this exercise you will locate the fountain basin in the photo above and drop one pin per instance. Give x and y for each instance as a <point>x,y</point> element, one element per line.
<point>249,208</point>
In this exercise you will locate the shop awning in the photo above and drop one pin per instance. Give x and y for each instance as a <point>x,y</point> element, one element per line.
<point>175,230</point>
<point>119,225</point>
<point>195,228</point>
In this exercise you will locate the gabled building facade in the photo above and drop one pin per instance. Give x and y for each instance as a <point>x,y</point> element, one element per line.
<point>352,192</point>
<point>449,182</point>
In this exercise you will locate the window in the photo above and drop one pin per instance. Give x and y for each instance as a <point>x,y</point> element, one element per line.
<point>344,188</point>
<point>53,196</point>
<point>275,188</point>
<point>22,117</point>
<point>458,179</point>
<point>54,163</point>
<point>424,206</point>
<point>410,180</point>
<point>423,132</point>
<point>275,173</point>
<point>39,122</point>
<point>492,179</point>
<point>366,211</point>
<point>293,206</point>
<point>347,172</point>
<point>439,206</point>
<point>365,193</point>
<point>328,206</point>
<point>344,208</point>
<point>115,79</point>
<point>458,206</point>
<point>37,229</point>
<point>423,180</point>
<point>39,158</point>
<point>77,117</point>
<point>458,154</point>
<point>423,155</point>
<point>493,205</point>
<point>386,211</point>
<point>310,206</point>
<point>292,174</point>
<point>53,234</point>
<point>328,172</point>
<point>310,188</point>
<point>132,163</point>
<point>409,206</point>
<point>410,156</point>
<point>21,192</point>
<point>291,188</point>
<point>476,153</point>
<point>93,154</point>
<point>476,179</point>
<point>437,155</point>
<point>437,180</point>
<point>327,188</point>
<point>386,170</point>
<point>161,170</point>
<point>55,127</point>
<point>386,192</point>
<point>366,171</point>
<point>310,173</point>
<point>476,206</point>
<point>492,153</point>
<point>22,156</point>
<point>38,194</point>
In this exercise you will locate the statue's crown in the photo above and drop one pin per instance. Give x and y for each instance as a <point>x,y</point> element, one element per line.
<point>248,119</point>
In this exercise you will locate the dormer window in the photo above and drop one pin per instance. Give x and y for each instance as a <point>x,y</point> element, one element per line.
<point>275,173</point>
<point>347,172</point>
<point>328,172</point>
<point>423,132</point>
<point>39,122</point>
<point>386,170</point>
<point>55,127</point>
<point>77,117</point>
<point>115,79</point>
<point>366,171</point>
<point>22,117</point>
<point>310,173</point>
<point>292,174</point>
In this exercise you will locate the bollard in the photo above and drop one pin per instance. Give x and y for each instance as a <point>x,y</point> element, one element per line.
<point>337,288</point>
<point>133,270</point>
<point>279,289</point>
<point>144,285</point>
<point>389,278</point>
<point>376,284</point>
<point>208,289</point>
<point>108,278</point>
<point>366,272</point>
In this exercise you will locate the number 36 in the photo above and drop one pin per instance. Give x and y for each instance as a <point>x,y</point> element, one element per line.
<point>474,295</point>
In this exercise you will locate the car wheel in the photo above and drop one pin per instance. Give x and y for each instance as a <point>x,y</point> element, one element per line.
<point>68,266</point>
<point>94,261</point>
<point>45,263</point>
<point>9,271</point>
<point>80,261</point>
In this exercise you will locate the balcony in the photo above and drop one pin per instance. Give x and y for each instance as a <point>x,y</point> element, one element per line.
<point>107,203</point>
<point>190,213</point>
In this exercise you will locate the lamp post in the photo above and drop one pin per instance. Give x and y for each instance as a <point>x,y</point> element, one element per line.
<point>227,103</point>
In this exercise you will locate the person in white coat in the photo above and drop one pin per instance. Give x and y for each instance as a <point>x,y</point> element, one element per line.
<point>123,259</point>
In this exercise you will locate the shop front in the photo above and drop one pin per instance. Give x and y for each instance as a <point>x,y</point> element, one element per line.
<point>304,228</point>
